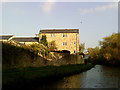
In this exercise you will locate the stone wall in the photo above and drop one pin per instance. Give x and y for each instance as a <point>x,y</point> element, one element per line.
<point>72,40</point>
<point>25,60</point>
<point>70,59</point>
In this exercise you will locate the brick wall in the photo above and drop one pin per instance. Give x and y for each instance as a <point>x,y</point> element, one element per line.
<point>64,41</point>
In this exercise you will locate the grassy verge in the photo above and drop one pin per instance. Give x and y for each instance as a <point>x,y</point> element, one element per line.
<point>27,76</point>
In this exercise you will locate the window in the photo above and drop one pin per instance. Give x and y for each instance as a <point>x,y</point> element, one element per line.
<point>74,51</point>
<point>64,35</point>
<point>52,35</point>
<point>64,43</point>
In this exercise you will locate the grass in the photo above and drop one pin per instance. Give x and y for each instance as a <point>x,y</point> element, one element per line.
<point>25,76</point>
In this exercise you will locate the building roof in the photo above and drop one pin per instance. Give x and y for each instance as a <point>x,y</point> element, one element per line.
<point>26,39</point>
<point>59,31</point>
<point>5,37</point>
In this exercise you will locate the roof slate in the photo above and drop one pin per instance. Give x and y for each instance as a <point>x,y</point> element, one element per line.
<point>26,39</point>
<point>5,37</point>
<point>59,31</point>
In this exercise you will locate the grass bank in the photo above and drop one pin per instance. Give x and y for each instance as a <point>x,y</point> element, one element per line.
<point>23,77</point>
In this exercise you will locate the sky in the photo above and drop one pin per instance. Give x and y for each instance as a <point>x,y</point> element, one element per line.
<point>99,19</point>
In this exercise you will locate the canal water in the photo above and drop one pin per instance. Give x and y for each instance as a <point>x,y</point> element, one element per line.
<point>98,77</point>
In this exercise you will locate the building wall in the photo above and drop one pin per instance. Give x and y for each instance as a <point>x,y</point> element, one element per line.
<point>3,40</point>
<point>71,41</point>
<point>28,43</point>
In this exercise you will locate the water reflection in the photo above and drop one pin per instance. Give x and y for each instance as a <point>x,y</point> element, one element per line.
<point>97,77</point>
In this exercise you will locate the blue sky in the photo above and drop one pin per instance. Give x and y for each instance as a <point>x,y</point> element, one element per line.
<point>99,19</point>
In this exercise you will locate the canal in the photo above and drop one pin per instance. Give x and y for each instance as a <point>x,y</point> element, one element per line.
<point>98,77</point>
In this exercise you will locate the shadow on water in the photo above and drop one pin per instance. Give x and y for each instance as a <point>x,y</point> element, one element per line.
<point>98,77</point>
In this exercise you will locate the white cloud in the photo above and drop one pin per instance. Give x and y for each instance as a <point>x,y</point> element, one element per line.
<point>48,6</point>
<point>98,9</point>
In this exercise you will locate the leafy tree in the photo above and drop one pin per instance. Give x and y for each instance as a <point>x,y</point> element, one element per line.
<point>43,40</point>
<point>110,48</point>
<point>52,46</point>
<point>95,55</point>
<point>108,52</point>
<point>39,49</point>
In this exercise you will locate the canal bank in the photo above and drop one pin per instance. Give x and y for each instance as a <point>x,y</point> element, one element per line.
<point>30,77</point>
<point>101,77</point>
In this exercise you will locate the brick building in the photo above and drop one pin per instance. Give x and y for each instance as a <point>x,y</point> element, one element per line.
<point>26,40</point>
<point>66,39</point>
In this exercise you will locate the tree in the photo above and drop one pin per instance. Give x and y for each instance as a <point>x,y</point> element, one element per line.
<point>94,53</point>
<point>43,40</point>
<point>52,46</point>
<point>39,49</point>
<point>110,48</point>
<point>108,52</point>
<point>81,47</point>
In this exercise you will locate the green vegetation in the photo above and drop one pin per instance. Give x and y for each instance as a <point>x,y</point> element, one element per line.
<point>23,64</point>
<point>38,49</point>
<point>15,56</point>
<point>52,46</point>
<point>43,40</point>
<point>35,55</point>
<point>95,55</point>
<point>23,76</point>
<point>108,52</point>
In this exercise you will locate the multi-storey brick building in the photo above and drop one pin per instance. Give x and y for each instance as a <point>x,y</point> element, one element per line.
<point>66,39</point>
